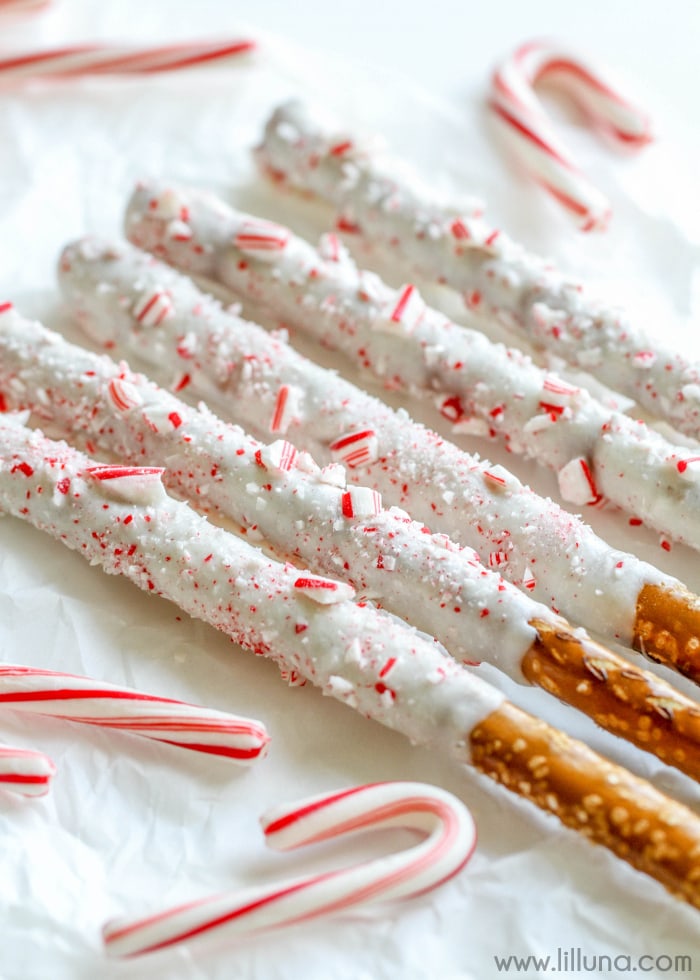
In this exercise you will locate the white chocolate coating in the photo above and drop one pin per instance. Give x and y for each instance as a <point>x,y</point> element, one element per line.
<point>444,821</point>
<point>395,336</point>
<point>496,276</point>
<point>291,503</point>
<point>238,369</point>
<point>165,548</point>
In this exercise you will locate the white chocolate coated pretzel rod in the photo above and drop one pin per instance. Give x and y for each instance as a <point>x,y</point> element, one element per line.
<point>533,138</point>
<point>497,277</point>
<point>121,519</point>
<point>81,699</point>
<point>240,370</point>
<point>492,390</point>
<point>273,492</point>
<point>25,771</point>
<point>450,838</point>
<point>300,511</point>
<point>78,60</point>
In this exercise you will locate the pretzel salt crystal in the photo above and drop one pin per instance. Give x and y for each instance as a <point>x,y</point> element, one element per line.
<point>25,771</point>
<point>431,582</point>
<point>240,370</point>
<point>31,690</point>
<point>445,823</point>
<point>496,276</point>
<point>597,452</point>
<point>128,525</point>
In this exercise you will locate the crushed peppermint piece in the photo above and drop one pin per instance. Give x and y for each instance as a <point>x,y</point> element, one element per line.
<point>325,591</point>
<point>261,239</point>
<point>402,314</point>
<point>169,205</point>
<point>576,483</point>
<point>279,455</point>
<point>131,484</point>
<point>153,308</point>
<point>356,448</point>
<point>287,408</point>
<point>123,395</point>
<point>689,468</point>
<point>361,502</point>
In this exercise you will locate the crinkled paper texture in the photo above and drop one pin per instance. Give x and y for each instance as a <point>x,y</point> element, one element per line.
<point>130,827</point>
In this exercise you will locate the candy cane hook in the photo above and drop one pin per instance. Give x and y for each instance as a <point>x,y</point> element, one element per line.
<point>533,137</point>
<point>450,841</point>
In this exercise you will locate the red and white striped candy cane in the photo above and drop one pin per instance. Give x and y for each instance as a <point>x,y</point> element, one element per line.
<point>450,841</point>
<point>533,137</point>
<point>76,698</point>
<point>25,771</point>
<point>74,61</point>
<point>16,7</point>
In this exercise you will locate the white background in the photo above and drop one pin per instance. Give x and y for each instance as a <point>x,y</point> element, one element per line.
<point>128,827</point>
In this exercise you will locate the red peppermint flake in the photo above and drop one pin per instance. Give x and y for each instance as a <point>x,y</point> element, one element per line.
<point>23,468</point>
<point>340,149</point>
<point>355,448</point>
<point>460,230</point>
<point>325,591</point>
<point>263,239</point>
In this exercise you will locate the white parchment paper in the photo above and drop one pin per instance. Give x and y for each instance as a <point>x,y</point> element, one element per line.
<point>131,827</point>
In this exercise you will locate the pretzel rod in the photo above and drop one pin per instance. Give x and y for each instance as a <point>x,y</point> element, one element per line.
<point>534,139</point>
<point>81,699</point>
<point>25,771</point>
<point>497,277</point>
<point>493,390</point>
<point>299,511</point>
<point>78,60</point>
<point>450,842</point>
<point>241,371</point>
<point>121,519</point>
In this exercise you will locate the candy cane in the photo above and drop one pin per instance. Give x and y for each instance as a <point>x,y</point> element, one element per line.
<point>450,842</point>
<point>105,59</point>
<point>76,698</point>
<point>25,771</point>
<point>533,137</point>
<point>16,7</point>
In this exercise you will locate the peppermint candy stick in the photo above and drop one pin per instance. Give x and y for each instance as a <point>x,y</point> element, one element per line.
<point>25,771</point>
<point>79,60</point>
<point>496,276</point>
<point>533,138</point>
<point>240,370</point>
<point>121,519</point>
<point>301,511</point>
<point>16,7</point>
<point>450,841</point>
<point>75,698</point>
<point>488,388</point>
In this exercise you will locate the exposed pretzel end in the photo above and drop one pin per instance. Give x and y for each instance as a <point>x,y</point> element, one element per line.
<point>587,793</point>
<point>618,695</point>
<point>667,628</point>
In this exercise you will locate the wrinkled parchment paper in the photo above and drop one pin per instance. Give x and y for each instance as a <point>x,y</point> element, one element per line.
<point>131,827</point>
